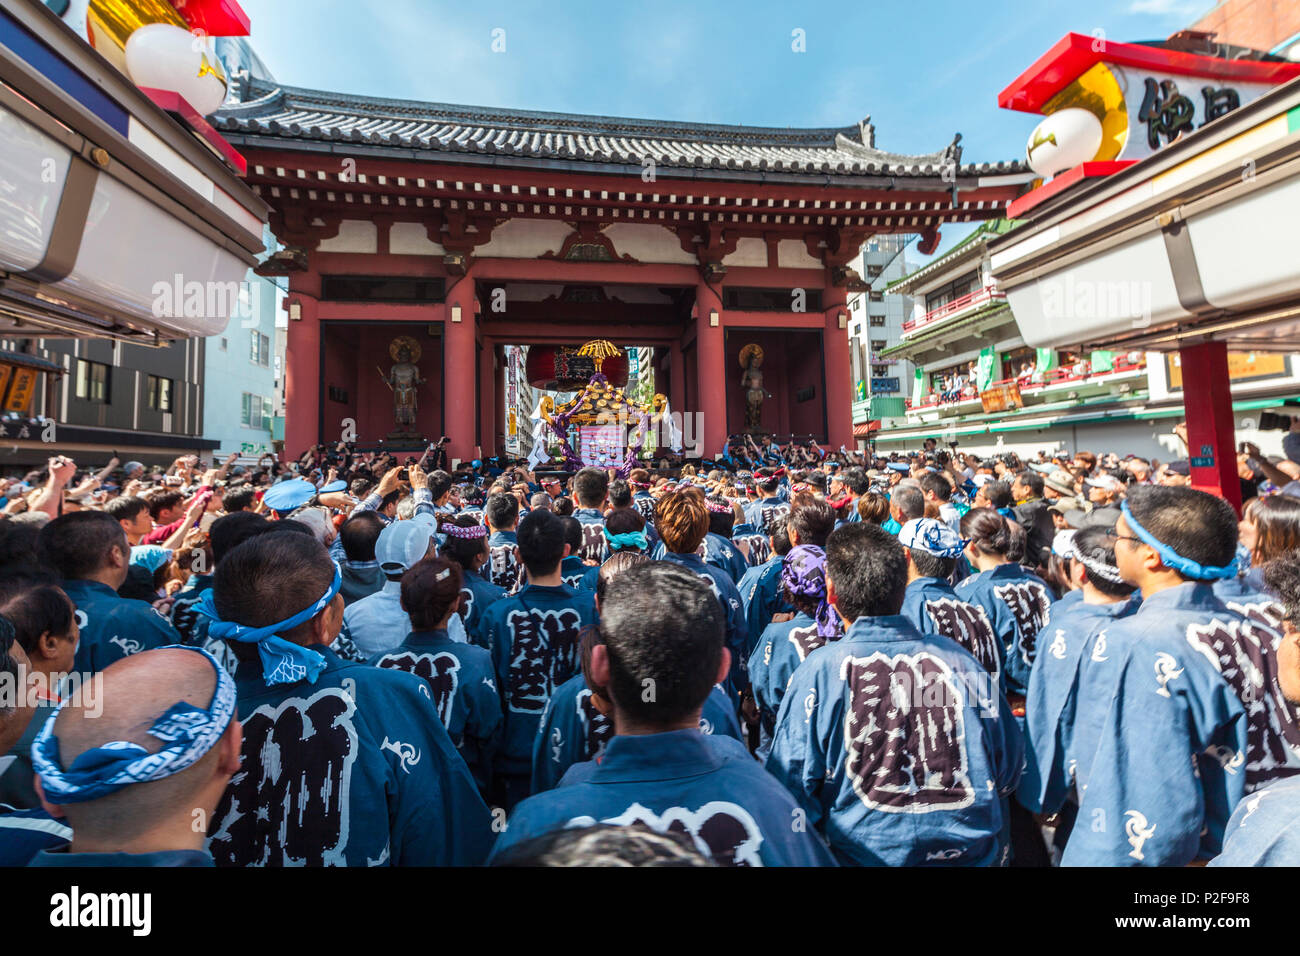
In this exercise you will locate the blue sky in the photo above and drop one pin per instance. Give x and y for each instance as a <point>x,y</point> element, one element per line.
<point>922,70</point>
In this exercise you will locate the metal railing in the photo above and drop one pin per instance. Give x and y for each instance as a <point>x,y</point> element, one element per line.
<point>948,309</point>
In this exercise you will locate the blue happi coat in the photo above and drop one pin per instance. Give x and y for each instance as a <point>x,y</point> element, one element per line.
<point>113,627</point>
<point>1196,722</point>
<point>1019,604</point>
<point>780,650</point>
<point>462,683</point>
<point>573,730</point>
<point>934,608</point>
<point>1069,688</point>
<point>756,547</point>
<point>887,742</point>
<point>593,535</point>
<point>1264,830</point>
<point>733,612</point>
<point>763,598</point>
<point>715,551</point>
<point>1248,596</point>
<point>504,569</point>
<point>707,788</point>
<point>573,570</point>
<point>766,513</point>
<point>355,769</point>
<point>477,594</point>
<point>535,641</point>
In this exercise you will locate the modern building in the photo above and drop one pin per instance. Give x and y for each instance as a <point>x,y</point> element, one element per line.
<point>875,324</point>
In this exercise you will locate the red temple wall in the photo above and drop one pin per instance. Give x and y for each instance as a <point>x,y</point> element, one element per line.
<point>791,360</point>
<point>356,354</point>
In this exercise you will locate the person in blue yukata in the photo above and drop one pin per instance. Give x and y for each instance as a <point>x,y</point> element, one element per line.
<point>344,764</point>
<point>1197,721</point>
<point>785,645</point>
<point>88,549</point>
<point>663,650</point>
<point>534,636</point>
<point>1069,687</point>
<point>770,508</point>
<point>465,542</point>
<point>590,488</point>
<point>459,677</point>
<point>1264,830</point>
<point>579,721</point>
<point>760,587</point>
<point>25,827</point>
<point>1017,602</point>
<point>504,568</point>
<point>932,549</point>
<point>897,745</point>
<point>573,569</point>
<point>132,774</point>
<point>1269,529</point>
<point>625,532</point>
<point>683,520</point>
<point>42,620</point>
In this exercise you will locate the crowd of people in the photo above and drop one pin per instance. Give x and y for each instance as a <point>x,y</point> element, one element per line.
<point>784,656</point>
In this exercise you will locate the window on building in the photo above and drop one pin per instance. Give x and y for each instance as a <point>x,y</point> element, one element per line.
<point>255,411</point>
<point>877,296</point>
<point>873,272</point>
<point>259,349</point>
<point>953,290</point>
<point>224,344</point>
<point>878,321</point>
<point>878,345</point>
<point>880,370</point>
<point>92,381</point>
<point>160,393</point>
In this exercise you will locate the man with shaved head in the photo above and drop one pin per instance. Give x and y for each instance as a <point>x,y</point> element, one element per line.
<point>132,781</point>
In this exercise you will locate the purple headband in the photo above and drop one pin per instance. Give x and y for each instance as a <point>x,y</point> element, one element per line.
<point>456,531</point>
<point>803,574</point>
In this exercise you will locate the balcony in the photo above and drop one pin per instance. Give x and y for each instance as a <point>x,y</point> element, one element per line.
<point>1076,382</point>
<point>971,300</point>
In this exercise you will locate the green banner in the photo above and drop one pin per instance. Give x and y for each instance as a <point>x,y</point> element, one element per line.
<point>1102,361</point>
<point>863,395</point>
<point>918,387</point>
<point>1045,361</point>
<point>984,371</point>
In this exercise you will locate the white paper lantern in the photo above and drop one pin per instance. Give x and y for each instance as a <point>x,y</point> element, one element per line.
<point>165,57</point>
<point>1062,141</point>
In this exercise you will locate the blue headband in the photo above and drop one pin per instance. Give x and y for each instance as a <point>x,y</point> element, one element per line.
<point>1175,561</point>
<point>188,732</point>
<point>628,539</point>
<point>283,662</point>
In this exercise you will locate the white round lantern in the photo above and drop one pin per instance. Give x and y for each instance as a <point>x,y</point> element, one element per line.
<point>165,57</point>
<point>1062,141</point>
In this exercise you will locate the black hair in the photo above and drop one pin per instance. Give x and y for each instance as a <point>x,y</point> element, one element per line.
<point>126,508</point>
<point>987,531</point>
<point>439,483</point>
<point>359,534</point>
<point>268,578</point>
<point>617,563</point>
<point>502,511</point>
<point>663,629</point>
<point>430,588</point>
<point>541,542</point>
<point>931,565</point>
<point>239,499</point>
<point>811,518</point>
<point>855,479</point>
<point>563,506</point>
<point>572,534</point>
<point>1019,541</point>
<point>868,569</point>
<point>1033,481</point>
<point>160,499</point>
<point>33,611</point>
<point>1097,544</point>
<point>79,544</point>
<point>933,483</point>
<point>1197,525</point>
<point>620,493</point>
<point>780,535</point>
<point>605,844</point>
<point>721,522</point>
<point>232,529</point>
<point>8,664</point>
<point>590,486</point>
<point>998,493</point>
<point>463,550</point>
<point>624,521</point>
<point>1282,579</point>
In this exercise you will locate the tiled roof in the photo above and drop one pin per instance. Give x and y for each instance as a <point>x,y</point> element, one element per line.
<point>292,113</point>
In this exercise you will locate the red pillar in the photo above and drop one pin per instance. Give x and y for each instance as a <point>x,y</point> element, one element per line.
<point>711,375</point>
<point>1211,430</point>
<point>835,351</point>
<point>302,377</point>
<point>458,346</point>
